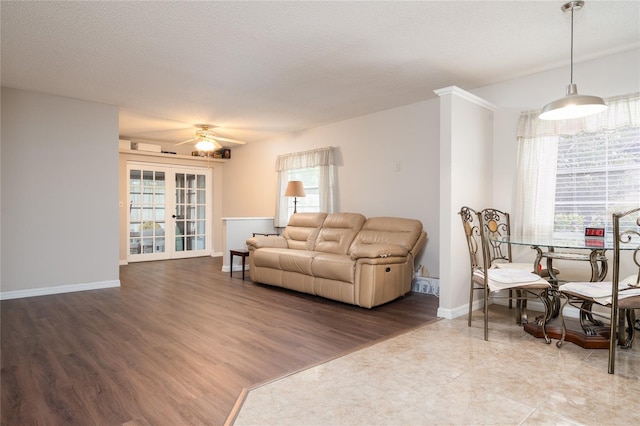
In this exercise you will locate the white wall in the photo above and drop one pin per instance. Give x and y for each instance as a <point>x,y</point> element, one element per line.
<point>59,194</point>
<point>236,230</point>
<point>370,147</point>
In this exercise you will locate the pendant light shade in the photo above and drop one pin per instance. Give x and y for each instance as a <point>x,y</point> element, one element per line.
<point>572,105</point>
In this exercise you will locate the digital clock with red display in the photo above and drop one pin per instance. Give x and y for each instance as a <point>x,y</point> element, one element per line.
<point>594,232</point>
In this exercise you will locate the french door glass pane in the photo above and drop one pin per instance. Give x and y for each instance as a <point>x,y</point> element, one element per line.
<point>146,211</point>
<point>135,178</point>
<point>190,211</point>
<point>167,212</point>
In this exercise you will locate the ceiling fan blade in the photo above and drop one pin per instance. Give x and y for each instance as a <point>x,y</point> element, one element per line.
<point>187,141</point>
<point>229,140</point>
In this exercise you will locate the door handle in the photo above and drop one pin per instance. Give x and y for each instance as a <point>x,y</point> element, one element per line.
<point>176,217</point>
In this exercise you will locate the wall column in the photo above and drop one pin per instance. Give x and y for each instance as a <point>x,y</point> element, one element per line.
<point>466,152</point>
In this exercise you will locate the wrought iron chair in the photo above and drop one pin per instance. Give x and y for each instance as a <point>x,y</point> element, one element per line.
<point>471,224</point>
<point>619,297</point>
<point>480,233</point>
<point>494,225</point>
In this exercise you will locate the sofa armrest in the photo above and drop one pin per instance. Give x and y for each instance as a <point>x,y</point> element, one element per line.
<point>262,241</point>
<point>374,251</point>
<point>419,245</point>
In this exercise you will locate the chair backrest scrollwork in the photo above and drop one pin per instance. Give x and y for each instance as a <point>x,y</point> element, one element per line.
<point>496,227</point>
<point>471,224</point>
<point>626,236</point>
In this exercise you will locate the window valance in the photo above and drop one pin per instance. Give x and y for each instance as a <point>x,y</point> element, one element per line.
<point>302,160</point>
<point>623,111</point>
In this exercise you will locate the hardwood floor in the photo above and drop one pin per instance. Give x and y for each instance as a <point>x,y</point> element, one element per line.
<point>175,344</point>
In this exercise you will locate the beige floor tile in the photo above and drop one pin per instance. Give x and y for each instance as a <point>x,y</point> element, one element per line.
<point>446,374</point>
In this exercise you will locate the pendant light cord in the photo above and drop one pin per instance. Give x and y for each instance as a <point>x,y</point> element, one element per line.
<point>572,7</point>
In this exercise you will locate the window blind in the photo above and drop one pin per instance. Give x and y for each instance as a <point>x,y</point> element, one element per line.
<point>598,173</point>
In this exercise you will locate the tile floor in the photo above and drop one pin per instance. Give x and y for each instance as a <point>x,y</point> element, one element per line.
<point>446,374</point>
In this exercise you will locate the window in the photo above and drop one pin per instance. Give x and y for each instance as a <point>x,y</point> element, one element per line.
<point>598,173</point>
<point>576,173</point>
<point>316,169</point>
<point>311,201</point>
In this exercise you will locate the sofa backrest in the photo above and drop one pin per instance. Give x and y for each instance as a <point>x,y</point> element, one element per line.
<point>389,230</point>
<point>337,232</point>
<point>302,229</point>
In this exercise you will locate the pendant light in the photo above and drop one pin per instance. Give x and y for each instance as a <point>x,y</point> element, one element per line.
<point>572,105</point>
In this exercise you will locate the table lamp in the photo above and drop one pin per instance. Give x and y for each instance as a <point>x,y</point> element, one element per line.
<point>295,189</point>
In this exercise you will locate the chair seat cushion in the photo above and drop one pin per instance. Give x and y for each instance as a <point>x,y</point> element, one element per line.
<point>600,292</point>
<point>502,279</point>
<point>630,302</point>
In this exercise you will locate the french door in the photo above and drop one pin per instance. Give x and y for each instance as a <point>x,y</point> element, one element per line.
<point>169,212</point>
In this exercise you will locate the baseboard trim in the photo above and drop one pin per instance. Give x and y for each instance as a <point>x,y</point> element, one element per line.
<point>533,305</point>
<point>47,291</point>
<point>459,311</point>
<point>126,262</point>
<point>225,268</point>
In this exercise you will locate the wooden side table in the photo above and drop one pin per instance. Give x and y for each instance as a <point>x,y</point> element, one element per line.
<point>237,252</point>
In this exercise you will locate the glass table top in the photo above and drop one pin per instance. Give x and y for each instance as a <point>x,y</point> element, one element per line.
<point>569,241</point>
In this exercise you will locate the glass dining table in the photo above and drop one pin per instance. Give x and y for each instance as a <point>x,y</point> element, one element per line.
<point>573,247</point>
<point>592,250</point>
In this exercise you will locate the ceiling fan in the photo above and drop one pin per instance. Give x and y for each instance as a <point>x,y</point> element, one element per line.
<point>207,140</point>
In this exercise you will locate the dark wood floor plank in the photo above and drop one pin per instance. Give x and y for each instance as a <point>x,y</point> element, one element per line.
<point>175,344</point>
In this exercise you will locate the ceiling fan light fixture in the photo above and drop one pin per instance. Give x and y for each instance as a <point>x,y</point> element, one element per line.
<point>572,105</point>
<point>205,145</point>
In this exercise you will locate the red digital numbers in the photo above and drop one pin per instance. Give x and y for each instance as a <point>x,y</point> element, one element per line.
<point>594,232</point>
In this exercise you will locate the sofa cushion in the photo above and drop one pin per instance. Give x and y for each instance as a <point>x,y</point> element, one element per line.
<point>290,260</point>
<point>302,229</point>
<point>334,267</point>
<point>388,230</point>
<point>337,232</point>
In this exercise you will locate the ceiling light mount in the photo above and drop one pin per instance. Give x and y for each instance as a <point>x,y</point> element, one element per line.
<point>572,5</point>
<point>572,105</point>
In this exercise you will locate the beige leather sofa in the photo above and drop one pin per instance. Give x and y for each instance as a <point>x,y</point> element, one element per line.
<point>340,256</point>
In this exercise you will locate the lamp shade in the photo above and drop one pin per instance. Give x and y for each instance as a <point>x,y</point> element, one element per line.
<point>295,188</point>
<point>572,105</point>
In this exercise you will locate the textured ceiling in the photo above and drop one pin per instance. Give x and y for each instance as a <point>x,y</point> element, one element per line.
<point>261,68</point>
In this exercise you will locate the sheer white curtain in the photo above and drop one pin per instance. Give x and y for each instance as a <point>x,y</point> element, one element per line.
<point>537,158</point>
<point>323,159</point>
